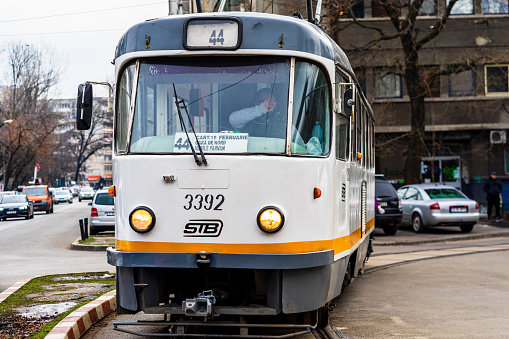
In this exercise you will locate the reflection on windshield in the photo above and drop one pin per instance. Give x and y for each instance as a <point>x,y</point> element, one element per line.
<point>13,199</point>
<point>236,105</point>
<point>34,191</point>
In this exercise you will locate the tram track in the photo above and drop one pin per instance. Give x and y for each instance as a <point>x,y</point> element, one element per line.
<point>388,260</point>
<point>327,333</point>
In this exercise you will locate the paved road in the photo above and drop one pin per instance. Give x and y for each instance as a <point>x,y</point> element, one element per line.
<point>448,290</point>
<point>40,246</point>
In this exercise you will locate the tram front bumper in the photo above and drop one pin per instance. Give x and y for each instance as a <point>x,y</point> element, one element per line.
<point>219,260</point>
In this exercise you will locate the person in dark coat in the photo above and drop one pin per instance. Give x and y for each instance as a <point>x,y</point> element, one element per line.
<point>493,188</point>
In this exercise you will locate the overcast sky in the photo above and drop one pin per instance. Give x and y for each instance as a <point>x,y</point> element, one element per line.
<point>83,35</point>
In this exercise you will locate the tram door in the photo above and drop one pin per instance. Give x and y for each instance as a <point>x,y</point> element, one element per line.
<point>442,170</point>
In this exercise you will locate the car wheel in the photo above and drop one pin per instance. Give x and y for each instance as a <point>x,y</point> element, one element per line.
<point>47,211</point>
<point>93,231</point>
<point>79,200</point>
<point>32,215</point>
<point>417,223</point>
<point>466,228</point>
<point>27,217</point>
<point>390,230</point>
<point>51,209</point>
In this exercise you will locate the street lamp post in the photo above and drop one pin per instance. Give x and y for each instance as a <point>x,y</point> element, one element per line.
<point>3,151</point>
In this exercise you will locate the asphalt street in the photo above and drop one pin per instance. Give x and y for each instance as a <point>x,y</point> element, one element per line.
<point>40,246</point>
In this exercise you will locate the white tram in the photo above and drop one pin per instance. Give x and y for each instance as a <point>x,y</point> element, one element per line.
<point>243,167</point>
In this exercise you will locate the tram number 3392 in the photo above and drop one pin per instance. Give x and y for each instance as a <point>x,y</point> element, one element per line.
<point>208,202</point>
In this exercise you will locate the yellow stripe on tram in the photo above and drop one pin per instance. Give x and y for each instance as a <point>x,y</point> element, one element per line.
<point>339,245</point>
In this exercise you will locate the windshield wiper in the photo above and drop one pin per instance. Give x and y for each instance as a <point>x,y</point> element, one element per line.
<point>182,104</point>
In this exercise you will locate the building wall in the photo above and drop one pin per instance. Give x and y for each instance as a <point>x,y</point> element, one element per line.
<point>460,114</point>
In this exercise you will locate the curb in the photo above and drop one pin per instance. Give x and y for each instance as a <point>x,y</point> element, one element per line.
<point>78,322</point>
<point>431,241</point>
<point>75,246</point>
<point>10,290</point>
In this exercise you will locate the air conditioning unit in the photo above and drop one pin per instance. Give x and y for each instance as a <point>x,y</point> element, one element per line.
<point>498,137</point>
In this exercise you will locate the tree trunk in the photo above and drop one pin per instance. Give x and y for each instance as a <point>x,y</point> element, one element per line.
<point>417,92</point>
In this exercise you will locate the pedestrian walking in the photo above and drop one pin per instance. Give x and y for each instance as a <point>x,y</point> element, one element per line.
<point>493,188</point>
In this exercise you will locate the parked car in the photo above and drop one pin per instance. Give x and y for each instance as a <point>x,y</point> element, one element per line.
<point>8,193</point>
<point>428,205</point>
<point>41,196</point>
<point>102,214</point>
<point>53,191</point>
<point>390,203</point>
<point>75,190</point>
<point>16,206</point>
<point>86,192</point>
<point>63,196</point>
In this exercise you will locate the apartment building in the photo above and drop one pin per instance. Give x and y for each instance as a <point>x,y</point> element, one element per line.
<point>98,168</point>
<point>467,113</point>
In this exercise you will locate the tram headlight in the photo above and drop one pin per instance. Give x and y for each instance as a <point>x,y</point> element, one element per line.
<point>270,219</point>
<point>142,219</point>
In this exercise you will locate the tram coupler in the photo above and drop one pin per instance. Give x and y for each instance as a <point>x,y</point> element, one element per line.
<point>200,306</point>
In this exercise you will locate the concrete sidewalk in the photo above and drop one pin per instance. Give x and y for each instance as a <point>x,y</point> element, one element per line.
<point>406,236</point>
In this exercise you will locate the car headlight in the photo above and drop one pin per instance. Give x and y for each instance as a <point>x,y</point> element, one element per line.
<point>22,208</point>
<point>1,209</point>
<point>142,219</point>
<point>270,219</point>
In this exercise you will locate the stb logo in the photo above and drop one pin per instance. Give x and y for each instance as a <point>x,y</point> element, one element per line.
<point>203,228</point>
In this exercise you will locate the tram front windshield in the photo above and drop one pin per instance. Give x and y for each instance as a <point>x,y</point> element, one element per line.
<point>236,105</point>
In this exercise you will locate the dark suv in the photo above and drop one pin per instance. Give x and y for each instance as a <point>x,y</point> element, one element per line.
<point>390,203</point>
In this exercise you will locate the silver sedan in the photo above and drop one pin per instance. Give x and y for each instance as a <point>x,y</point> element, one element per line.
<point>427,205</point>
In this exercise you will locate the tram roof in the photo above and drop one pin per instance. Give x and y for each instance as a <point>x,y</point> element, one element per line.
<point>260,31</point>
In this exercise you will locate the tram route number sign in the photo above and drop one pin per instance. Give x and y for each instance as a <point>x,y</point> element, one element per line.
<point>212,34</point>
<point>212,142</point>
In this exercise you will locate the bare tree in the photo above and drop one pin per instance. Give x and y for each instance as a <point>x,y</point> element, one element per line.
<point>90,142</point>
<point>412,38</point>
<point>30,74</point>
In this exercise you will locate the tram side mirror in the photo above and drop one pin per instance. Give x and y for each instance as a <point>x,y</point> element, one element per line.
<point>84,107</point>
<point>349,102</point>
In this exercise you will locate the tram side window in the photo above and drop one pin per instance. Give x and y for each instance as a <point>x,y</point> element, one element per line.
<point>125,88</point>
<point>342,121</point>
<point>358,128</point>
<point>311,110</point>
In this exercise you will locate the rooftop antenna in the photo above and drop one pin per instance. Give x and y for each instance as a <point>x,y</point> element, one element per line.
<point>222,4</point>
<point>199,7</point>
<point>309,7</point>
<point>318,12</point>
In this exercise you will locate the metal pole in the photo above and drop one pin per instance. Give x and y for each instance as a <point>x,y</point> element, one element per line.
<point>3,151</point>
<point>3,158</point>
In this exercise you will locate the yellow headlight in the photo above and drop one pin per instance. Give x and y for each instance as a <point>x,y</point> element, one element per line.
<point>142,219</point>
<point>270,219</point>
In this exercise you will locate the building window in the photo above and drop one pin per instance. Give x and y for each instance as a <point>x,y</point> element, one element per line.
<point>462,84</point>
<point>428,7</point>
<point>494,6</point>
<point>353,10</point>
<point>462,7</point>
<point>497,81</point>
<point>387,84</point>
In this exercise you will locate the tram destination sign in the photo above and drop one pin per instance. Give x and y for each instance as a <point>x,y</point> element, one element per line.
<point>212,142</point>
<point>212,33</point>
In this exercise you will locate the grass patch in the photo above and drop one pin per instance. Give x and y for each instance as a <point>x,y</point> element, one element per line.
<point>88,241</point>
<point>98,239</point>
<point>56,286</point>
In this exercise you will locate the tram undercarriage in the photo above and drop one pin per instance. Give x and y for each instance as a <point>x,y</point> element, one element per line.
<point>238,301</point>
